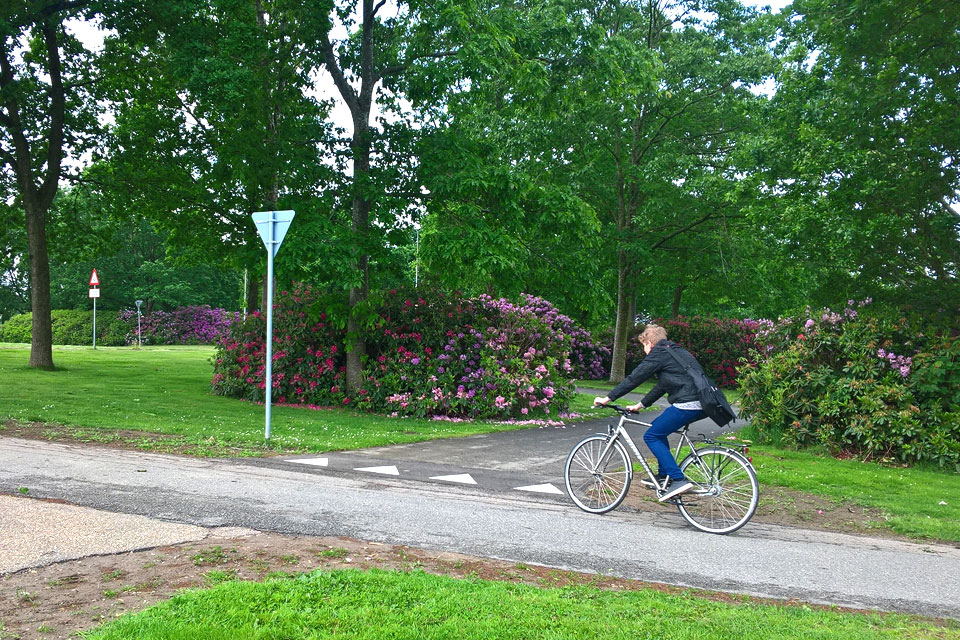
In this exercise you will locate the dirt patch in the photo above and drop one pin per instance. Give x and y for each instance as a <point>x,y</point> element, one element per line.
<point>790,508</point>
<point>59,600</point>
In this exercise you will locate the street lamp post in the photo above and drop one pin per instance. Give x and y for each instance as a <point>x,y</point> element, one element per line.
<point>139,342</point>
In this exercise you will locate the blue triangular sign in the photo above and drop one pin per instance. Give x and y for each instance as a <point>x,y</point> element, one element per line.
<point>279,220</point>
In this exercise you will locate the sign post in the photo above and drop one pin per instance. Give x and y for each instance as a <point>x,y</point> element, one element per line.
<point>139,343</point>
<point>272,227</point>
<point>94,293</point>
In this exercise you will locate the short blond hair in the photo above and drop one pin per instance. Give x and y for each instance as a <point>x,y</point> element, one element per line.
<point>653,334</point>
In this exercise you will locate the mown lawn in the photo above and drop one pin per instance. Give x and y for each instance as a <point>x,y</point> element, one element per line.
<point>166,390</point>
<point>378,604</point>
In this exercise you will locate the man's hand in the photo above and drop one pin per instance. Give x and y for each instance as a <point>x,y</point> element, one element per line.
<point>636,408</point>
<point>600,401</point>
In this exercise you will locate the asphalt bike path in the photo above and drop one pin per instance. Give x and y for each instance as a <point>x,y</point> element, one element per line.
<point>526,460</point>
<point>762,560</point>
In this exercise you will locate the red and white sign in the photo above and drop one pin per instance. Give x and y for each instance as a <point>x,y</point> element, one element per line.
<point>94,280</point>
<point>94,293</point>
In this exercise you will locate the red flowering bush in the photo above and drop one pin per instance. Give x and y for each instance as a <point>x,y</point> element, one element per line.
<point>308,363</point>
<point>720,345</point>
<point>427,355</point>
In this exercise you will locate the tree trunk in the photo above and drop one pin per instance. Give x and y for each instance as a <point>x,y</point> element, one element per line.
<point>41,336</point>
<point>252,294</point>
<point>677,293</point>
<point>37,199</point>
<point>621,333</point>
<point>360,146</point>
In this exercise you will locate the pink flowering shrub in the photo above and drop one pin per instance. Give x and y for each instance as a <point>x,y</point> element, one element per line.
<point>861,382</point>
<point>427,354</point>
<point>186,325</point>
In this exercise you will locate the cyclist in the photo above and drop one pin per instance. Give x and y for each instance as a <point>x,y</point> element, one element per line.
<point>684,403</point>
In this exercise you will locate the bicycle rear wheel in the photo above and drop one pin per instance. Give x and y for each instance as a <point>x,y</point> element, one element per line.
<point>596,485</point>
<point>728,493</point>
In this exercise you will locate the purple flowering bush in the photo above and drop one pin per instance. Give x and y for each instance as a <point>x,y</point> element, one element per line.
<point>186,325</point>
<point>882,385</point>
<point>428,354</point>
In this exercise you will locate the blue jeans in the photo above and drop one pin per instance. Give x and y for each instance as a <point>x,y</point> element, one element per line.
<point>671,420</point>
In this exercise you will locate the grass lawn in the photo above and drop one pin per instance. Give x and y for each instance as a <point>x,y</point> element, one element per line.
<point>380,604</point>
<point>920,502</point>
<point>166,390</point>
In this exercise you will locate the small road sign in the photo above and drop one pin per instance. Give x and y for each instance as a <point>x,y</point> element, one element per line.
<point>94,293</point>
<point>272,227</point>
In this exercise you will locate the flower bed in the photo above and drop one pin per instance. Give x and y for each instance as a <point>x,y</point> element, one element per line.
<point>428,354</point>
<point>186,325</point>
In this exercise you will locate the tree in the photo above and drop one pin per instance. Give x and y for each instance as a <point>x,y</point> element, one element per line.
<point>612,105</point>
<point>218,124</point>
<point>378,60</point>
<point>47,113</point>
<point>867,150</point>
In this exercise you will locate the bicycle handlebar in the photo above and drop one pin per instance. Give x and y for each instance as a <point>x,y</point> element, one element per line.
<point>621,410</point>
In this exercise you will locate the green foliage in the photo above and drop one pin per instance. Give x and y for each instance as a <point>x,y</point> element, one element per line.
<point>880,385</point>
<point>71,327</point>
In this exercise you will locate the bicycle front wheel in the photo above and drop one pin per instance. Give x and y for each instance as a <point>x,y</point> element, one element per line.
<point>596,485</point>
<point>728,493</point>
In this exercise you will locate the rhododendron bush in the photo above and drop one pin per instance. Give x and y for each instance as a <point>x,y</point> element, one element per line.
<point>427,354</point>
<point>872,383</point>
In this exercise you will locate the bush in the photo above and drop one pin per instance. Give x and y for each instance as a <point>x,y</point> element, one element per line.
<point>186,325</point>
<point>877,385</point>
<point>720,345</point>
<point>428,354</point>
<point>70,326</point>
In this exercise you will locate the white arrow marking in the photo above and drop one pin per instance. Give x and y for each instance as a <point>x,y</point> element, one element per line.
<point>317,462</point>
<point>463,478</point>
<point>390,471</point>
<point>540,488</point>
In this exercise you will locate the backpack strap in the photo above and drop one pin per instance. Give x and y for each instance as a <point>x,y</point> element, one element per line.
<point>686,367</point>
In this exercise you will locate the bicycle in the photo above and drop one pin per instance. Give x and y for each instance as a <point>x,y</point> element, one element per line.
<point>599,470</point>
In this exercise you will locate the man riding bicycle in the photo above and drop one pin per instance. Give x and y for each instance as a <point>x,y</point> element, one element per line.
<point>684,407</point>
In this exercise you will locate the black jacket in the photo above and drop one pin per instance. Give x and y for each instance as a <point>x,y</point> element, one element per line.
<point>672,379</point>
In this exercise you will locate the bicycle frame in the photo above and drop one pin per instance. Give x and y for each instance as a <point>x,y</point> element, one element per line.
<point>615,433</point>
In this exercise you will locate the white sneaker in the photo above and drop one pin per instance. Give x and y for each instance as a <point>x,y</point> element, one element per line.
<point>676,488</point>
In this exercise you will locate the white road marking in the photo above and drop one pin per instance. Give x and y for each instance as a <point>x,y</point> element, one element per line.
<point>463,478</point>
<point>540,488</point>
<point>389,471</point>
<point>317,462</point>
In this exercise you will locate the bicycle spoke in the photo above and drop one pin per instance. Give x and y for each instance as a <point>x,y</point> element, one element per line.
<point>731,491</point>
<point>597,484</point>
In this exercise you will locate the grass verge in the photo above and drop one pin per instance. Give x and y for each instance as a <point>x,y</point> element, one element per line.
<point>99,395</point>
<point>914,501</point>
<point>379,604</point>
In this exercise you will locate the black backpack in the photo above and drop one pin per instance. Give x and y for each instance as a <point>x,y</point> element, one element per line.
<point>712,400</point>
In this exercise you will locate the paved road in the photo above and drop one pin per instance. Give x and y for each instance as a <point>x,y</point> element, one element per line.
<point>518,526</point>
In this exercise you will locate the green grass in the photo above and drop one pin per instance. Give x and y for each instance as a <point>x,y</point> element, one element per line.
<point>378,604</point>
<point>166,390</point>
<point>914,501</point>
